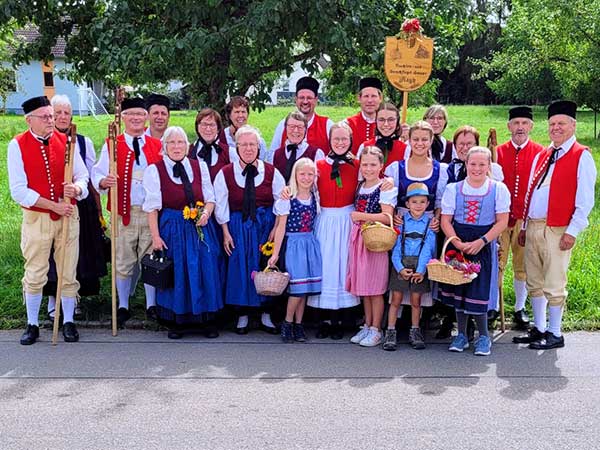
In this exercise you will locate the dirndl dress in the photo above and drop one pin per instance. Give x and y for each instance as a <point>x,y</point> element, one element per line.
<point>368,271</point>
<point>302,251</point>
<point>474,216</point>
<point>197,292</point>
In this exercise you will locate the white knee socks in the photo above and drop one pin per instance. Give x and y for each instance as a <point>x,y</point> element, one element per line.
<point>150,295</point>
<point>520,294</point>
<point>242,322</point>
<point>555,314</point>
<point>32,303</point>
<point>123,288</point>
<point>68,307</point>
<point>266,320</point>
<point>539,312</point>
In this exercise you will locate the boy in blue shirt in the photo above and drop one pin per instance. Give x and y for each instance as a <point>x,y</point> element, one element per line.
<point>413,250</point>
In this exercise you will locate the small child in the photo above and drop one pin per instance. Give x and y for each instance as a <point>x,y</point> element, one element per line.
<point>301,249</point>
<point>413,250</point>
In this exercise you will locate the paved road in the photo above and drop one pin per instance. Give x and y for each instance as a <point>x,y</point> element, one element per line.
<point>142,391</point>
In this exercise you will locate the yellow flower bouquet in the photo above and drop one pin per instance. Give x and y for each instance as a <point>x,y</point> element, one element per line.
<point>194,213</point>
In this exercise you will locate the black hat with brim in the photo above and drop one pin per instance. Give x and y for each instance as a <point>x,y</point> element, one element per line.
<point>34,103</point>
<point>565,107</point>
<point>134,102</point>
<point>308,83</point>
<point>520,111</point>
<point>158,99</point>
<point>370,82</point>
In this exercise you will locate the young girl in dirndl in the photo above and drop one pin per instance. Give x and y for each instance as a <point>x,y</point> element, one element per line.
<point>302,251</point>
<point>367,274</point>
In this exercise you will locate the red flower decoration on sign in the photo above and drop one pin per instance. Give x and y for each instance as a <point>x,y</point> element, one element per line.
<point>411,26</point>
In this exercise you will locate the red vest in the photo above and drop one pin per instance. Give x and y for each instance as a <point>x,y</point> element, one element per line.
<point>316,135</point>
<point>264,191</point>
<point>563,185</point>
<point>125,160</point>
<point>173,194</point>
<point>332,196</point>
<point>222,158</point>
<point>44,167</point>
<point>516,168</point>
<point>280,159</point>
<point>361,130</point>
<point>396,154</point>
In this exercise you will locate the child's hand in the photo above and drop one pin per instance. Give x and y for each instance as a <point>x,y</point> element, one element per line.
<point>356,216</point>
<point>406,274</point>
<point>285,193</point>
<point>387,184</point>
<point>434,225</point>
<point>417,277</point>
<point>398,222</point>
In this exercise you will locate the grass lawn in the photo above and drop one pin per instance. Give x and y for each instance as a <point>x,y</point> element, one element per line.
<point>584,287</point>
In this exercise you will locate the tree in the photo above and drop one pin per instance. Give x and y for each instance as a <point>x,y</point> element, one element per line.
<point>550,48</point>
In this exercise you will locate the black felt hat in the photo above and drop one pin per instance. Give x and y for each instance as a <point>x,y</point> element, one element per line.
<point>370,82</point>
<point>34,103</point>
<point>134,102</point>
<point>158,99</point>
<point>307,83</point>
<point>566,107</point>
<point>520,111</point>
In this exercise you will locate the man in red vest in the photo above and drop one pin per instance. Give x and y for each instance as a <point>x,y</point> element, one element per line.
<point>363,123</point>
<point>515,157</point>
<point>559,198</point>
<point>317,134</point>
<point>36,165</point>
<point>135,152</point>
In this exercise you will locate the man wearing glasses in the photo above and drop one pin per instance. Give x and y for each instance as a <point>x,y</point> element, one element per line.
<point>317,133</point>
<point>135,152</point>
<point>36,164</point>
<point>363,123</point>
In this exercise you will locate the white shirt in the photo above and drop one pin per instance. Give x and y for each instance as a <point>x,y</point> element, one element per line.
<point>233,156</point>
<point>262,146</point>
<point>523,145</point>
<point>302,146</point>
<point>17,178</point>
<point>276,142</point>
<point>101,170</point>
<point>502,196</point>
<point>151,183</point>
<point>442,138</point>
<point>584,197</point>
<point>222,192</point>
<point>393,171</point>
<point>90,153</point>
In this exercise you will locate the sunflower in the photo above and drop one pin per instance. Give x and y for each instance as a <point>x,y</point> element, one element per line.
<point>186,212</point>
<point>267,248</point>
<point>193,213</point>
<point>199,204</point>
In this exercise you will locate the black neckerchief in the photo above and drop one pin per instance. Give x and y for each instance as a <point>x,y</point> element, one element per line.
<point>205,152</point>
<point>249,205</point>
<point>462,171</point>
<point>179,172</point>
<point>437,148</point>
<point>293,149</point>
<point>337,159</point>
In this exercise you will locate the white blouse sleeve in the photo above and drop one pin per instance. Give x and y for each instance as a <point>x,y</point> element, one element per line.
<point>449,199</point>
<point>17,178</point>
<point>283,206</point>
<point>389,197</point>
<point>502,198</point>
<point>497,173</point>
<point>392,172</point>
<point>151,183</point>
<point>319,155</point>
<point>221,199</point>
<point>277,187</point>
<point>100,170</point>
<point>208,191</point>
<point>81,176</point>
<point>441,185</point>
<point>90,155</point>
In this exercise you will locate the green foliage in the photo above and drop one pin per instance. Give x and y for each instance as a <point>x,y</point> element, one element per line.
<point>550,48</point>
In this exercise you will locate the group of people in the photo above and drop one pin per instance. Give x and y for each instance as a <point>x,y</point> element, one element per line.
<point>225,207</point>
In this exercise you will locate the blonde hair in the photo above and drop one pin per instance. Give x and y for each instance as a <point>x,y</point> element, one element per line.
<point>372,150</point>
<point>481,151</point>
<point>300,164</point>
<point>421,125</point>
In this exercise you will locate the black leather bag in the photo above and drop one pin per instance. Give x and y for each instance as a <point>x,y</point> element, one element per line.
<point>157,270</point>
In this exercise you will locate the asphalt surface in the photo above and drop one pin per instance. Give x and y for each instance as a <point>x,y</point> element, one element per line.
<point>142,391</point>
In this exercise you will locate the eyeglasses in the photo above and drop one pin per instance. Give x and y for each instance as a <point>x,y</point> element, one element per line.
<point>466,144</point>
<point>389,120</point>
<point>180,142</point>
<point>340,140</point>
<point>45,118</point>
<point>207,125</point>
<point>248,145</point>
<point>134,114</point>
<point>306,99</point>
<point>295,127</point>
<point>437,119</point>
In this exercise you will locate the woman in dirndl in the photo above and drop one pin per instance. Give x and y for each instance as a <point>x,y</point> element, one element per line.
<point>476,211</point>
<point>337,181</point>
<point>246,191</point>
<point>180,201</point>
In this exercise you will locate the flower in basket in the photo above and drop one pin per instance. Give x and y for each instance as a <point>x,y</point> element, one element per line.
<point>457,261</point>
<point>194,213</point>
<point>267,248</point>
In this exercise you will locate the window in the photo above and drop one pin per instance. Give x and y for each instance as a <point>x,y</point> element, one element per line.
<point>48,79</point>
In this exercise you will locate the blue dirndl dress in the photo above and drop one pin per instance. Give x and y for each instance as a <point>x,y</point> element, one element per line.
<point>302,252</point>
<point>473,217</point>
<point>403,182</point>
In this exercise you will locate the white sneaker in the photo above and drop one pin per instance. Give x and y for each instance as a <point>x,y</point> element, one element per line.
<point>362,333</point>
<point>372,339</point>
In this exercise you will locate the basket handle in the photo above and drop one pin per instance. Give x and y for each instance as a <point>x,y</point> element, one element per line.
<point>391,225</point>
<point>451,238</point>
<point>271,269</point>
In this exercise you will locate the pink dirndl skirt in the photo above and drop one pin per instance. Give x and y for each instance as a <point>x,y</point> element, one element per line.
<point>368,272</point>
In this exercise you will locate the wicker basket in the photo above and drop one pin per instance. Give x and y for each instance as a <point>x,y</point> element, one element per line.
<point>271,281</point>
<point>379,237</point>
<point>443,273</point>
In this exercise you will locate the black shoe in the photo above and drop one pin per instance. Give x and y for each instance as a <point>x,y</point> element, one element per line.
<point>241,330</point>
<point>32,332</point>
<point>286,332</point>
<point>521,319</point>
<point>323,331</point>
<point>547,342</point>
<point>210,332</point>
<point>471,329</point>
<point>123,316</point>
<point>151,314</point>
<point>532,335</point>
<point>445,330</point>
<point>298,332</point>
<point>172,334</point>
<point>267,329</point>
<point>337,332</point>
<point>70,333</point>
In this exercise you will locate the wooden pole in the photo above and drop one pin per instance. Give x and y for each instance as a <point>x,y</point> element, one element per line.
<point>60,259</point>
<point>404,106</point>
<point>112,153</point>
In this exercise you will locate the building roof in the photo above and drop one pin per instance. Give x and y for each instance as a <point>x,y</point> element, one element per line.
<point>30,34</point>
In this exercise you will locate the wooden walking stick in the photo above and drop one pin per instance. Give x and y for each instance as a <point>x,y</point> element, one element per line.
<point>114,130</point>
<point>492,143</point>
<point>60,261</point>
